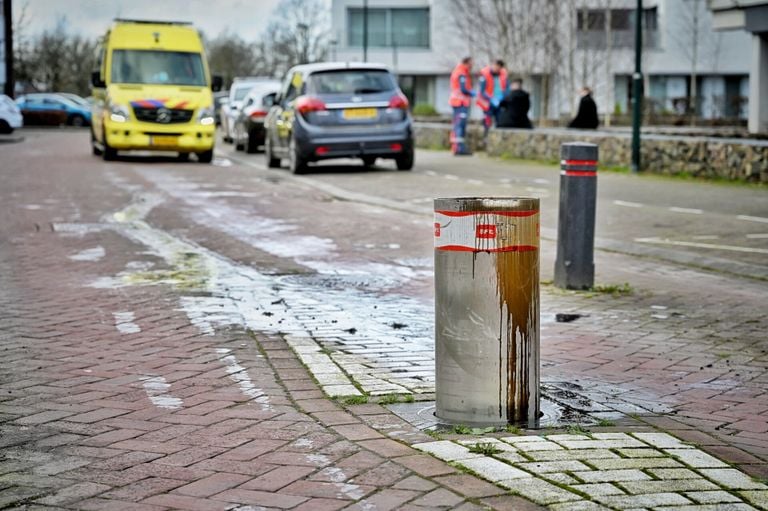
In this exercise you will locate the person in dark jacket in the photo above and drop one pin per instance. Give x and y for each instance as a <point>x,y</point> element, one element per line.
<point>586,117</point>
<point>514,107</point>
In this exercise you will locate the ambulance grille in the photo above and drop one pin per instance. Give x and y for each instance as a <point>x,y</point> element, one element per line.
<point>163,115</point>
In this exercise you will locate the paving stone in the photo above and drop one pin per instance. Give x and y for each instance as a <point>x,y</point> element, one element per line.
<point>732,479</point>
<point>708,507</point>
<point>596,489</point>
<point>493,470</point>
<point>439,498</point>
<point>560,478</point>
<point>625,463</point>
<point>673,473</point>
<point>679,485</point>
<point>543,467</point>
<point>609,476</point>
<point>641,453</point>
<point>712,497</point>
<point>758,498</point>
<point>511,457</point>
<point>662,440</point>
<point>495,442</point>
<point>469,486</point>
<point>578,506</point>
<point>696,458</point>
<point>564,455</point>
<point>532,443</point>
<point>602,444</point>
<point>558,437</point>
<point>652,500</point>
<point>539,491</point>
<point>446,450</point>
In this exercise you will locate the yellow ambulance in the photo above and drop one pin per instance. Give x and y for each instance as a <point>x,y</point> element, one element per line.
<point>152,91</point>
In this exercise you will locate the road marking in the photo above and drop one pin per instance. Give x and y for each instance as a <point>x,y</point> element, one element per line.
<point>157,388</point>
<point>475,182</point>
<point>430,172</point>
<point>89,254</point>
<point>706,237</point>
<point>689,211</point>
<point>124,323</point>
<point>753,218</point>
<point>627,204</point>
<point>660,241</point>
<point>451,177</point>
<point>239,375</point>
<point>757,236</point>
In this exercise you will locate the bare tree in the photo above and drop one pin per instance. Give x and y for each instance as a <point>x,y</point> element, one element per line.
<point>298,33</point>
<point>230,56</point>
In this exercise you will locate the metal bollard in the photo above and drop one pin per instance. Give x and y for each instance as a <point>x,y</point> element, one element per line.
<point>575,261</point>
<point>487,310</point>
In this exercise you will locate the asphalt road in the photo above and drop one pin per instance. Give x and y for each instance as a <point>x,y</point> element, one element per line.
<point>710,225</point>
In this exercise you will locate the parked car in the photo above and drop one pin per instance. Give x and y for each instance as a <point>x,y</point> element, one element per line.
<point>220,99</point>
<point>75,98</point>
<point>337,110</point>
<point>248,129</point>
<point>229,111</point>
<point>10,115</point>
<point>49,108</point>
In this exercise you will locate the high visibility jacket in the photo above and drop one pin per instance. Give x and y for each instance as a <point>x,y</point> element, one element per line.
<point>459,94</point>
<point>484,98</point>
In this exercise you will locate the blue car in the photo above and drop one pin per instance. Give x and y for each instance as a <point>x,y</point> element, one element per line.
<point>48,108</point>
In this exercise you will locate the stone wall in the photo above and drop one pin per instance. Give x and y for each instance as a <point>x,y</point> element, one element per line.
<point>711,157</point>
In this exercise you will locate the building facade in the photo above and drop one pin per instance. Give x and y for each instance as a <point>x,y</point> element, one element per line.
<point>687,64</point>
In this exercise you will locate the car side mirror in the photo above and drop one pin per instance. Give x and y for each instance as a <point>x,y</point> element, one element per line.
<point>96,80</point>
<point>217,82</point>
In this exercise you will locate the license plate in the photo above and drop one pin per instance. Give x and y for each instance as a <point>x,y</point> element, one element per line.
<point>359,113</point>
<point>164,141</point>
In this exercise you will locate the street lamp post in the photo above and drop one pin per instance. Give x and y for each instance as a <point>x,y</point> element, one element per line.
<point>637,88</point>
<point>365,30</point>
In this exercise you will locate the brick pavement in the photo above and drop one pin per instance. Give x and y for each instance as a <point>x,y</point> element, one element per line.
<point>122,398</point>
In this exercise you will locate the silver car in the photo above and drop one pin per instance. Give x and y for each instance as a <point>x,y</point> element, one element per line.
<point>339,110</point>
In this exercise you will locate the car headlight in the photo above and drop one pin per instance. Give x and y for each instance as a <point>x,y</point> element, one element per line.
<point>118,113</point>
<point>205,116</point>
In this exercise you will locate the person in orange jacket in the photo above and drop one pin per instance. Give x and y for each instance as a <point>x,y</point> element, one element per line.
<point>460,100</point>
<point>493,87</point>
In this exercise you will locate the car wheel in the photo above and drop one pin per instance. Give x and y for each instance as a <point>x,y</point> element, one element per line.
<point>95,149</point>
<point>405,160</point>
<point>5,128</point>
<point>369,161</point>
<point>252,144</point>
<point>205,156</point>
<point>239,146</point>
<point>108,153</point>
<point>272,162</point>
<point>297,163</point>
<point>77,120</point>
<point>183,157</point>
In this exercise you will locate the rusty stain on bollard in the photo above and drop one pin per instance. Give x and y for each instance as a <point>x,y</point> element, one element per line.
<point>486,323</point>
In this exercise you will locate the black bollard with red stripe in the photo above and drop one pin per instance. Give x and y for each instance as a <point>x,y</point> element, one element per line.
<point>575,262</point>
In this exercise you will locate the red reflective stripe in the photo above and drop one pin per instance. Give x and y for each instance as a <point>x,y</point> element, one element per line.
<point>464,248</point>
<point>579,173</point>
<point>580,163</point>
<point>498,213</point>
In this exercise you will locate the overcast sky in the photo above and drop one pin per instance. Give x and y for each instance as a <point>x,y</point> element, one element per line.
<point>246,18</point>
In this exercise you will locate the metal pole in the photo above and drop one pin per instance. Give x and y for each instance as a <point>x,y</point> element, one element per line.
<point>637,88</point>
<point>487,310</point>
<point>575,261</point>
<point>365,30</point>
<point>9,77</point>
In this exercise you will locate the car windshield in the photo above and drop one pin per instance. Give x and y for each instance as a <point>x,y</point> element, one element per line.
<point>241,92</point>
<point>157,67</point>
<point>350,81</point>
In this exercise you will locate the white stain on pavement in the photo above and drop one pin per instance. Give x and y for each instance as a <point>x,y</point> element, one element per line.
<point>337,476</point>
<point>239,375</point>
<point>157,389</point>
<point>89,254</point>
<point>124,323</point>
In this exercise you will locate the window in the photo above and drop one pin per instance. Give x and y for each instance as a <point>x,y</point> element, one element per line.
<point>403,28</point>
<point>350,82</point>
<point>157,67</point>
<point>592,27</point>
